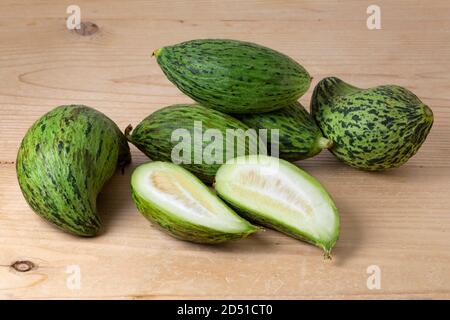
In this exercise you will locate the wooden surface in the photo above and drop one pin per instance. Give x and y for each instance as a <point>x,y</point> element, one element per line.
<point>397,220</point>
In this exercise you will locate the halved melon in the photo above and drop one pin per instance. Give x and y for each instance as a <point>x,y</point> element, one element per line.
<point>181,204</point>
<point>279,195</point>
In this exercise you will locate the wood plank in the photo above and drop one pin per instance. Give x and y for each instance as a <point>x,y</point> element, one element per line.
<point>397,220</point>
<point>386,221</point>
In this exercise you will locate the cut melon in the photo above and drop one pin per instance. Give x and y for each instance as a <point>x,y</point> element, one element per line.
<point>279,195</point>
<point>181,204</point>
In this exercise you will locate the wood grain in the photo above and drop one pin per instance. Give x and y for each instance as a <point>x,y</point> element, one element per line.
<point>398,220</point>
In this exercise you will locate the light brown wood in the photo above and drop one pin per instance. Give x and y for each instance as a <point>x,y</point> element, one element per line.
<point>398,220</point>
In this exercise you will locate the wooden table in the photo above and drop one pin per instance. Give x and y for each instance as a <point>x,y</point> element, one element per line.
<point>398,221</point>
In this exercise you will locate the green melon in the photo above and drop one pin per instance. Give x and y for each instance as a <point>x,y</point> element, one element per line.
<point>298,135</point>
<point>162,135</point>
<point>233,76</point>
<point>63,162</point>
<point>372,129</point>
<point>174,199</point>
<point>277,194</point>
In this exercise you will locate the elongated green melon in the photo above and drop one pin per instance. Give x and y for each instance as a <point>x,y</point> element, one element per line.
<point>63,162</point>
<point>279,195</point>
<point>233,76</point>
<point>299,136</point>
<point>187,135</point>
<point>372,129</point>
<point>183,206</point>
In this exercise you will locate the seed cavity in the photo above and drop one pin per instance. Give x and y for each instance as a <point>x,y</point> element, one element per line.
<point>281,196</point>
<point>182,191</point>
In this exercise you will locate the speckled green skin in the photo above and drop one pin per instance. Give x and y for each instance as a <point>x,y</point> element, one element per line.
<point>372,129</point>
<point>182,229</point>
<point>299,136</point>
<point>233,76</point>
<point>63,162</point>
<point>153,135</point>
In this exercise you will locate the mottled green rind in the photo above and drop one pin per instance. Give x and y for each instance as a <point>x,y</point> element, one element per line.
<point>372,129</point>
<point>153,136</point>
<point>63,162</point>
<point>299,136</point>
<point>233,76</point>
<point>185,230</point>
<point>259,218</point>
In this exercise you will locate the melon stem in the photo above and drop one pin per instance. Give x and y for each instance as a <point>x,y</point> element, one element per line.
<point>127,134</point>
<point>156,52</point>
<point>324,143</point>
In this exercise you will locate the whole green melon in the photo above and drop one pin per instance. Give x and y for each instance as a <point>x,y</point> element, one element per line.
<point>298,135</point>
<point>197,138</point>
<point>233,76</point>
<point>63,162</point>
<point>372,129</point>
